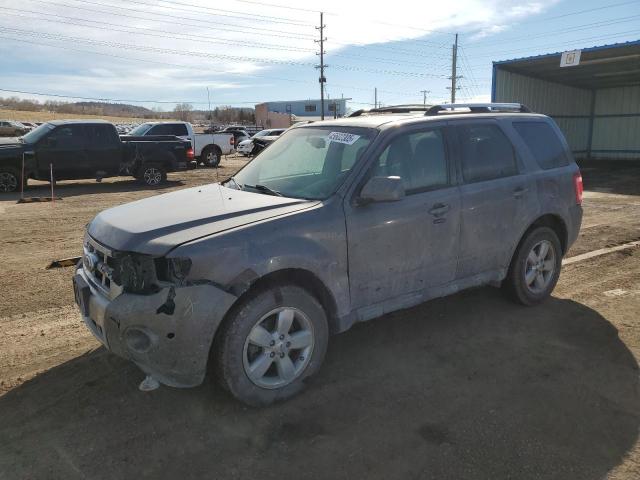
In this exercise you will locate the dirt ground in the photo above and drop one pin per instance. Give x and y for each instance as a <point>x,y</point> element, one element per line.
<point>21,115</point>
<point>470,386</point>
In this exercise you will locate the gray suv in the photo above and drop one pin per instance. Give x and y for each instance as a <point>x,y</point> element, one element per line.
<point>336,222</point>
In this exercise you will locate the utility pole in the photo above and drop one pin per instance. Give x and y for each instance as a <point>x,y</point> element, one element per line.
<point>322,66</point>
<point>454,70</point>
<point>375,97</point>
<point>424,96</point>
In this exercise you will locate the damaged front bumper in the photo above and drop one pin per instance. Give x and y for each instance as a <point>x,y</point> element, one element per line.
<point>168,334</point>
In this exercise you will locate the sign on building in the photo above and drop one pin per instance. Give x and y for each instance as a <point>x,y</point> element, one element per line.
<point>570,58</point>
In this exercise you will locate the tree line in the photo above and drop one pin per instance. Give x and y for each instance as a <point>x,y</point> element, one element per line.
<point>182,111</point>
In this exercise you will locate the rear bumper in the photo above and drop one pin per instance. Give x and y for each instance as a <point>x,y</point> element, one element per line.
<point>167,334</point>
<point>575,220</point>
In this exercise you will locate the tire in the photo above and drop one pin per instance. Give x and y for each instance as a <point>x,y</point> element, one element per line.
<point>262,319</point>
<point>211,156</point>
<point>10,180</point>
<point>535,267</point>
<point>152,174</point>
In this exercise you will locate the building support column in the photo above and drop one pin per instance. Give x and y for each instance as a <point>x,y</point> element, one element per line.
<point>592,112</point>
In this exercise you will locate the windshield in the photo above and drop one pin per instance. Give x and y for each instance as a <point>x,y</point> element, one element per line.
<point>306,162</point>
<point>37,133</point>
<point>261,133</point>
<point>140,130</point>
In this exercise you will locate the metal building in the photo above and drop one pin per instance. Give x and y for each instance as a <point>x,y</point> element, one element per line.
<point>593,94</point>
<point>309,108</point>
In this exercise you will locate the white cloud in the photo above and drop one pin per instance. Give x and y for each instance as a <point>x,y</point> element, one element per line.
<point>186,48</point>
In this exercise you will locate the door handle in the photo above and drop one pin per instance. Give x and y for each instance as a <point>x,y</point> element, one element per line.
<point>439,209</point>
<point>519,192</point>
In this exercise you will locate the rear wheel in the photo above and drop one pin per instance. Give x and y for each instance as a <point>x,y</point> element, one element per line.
<point>9,180</point>
<point>270,344</point>
<point>535,267</point>
<point>211,156</point>
<point>152,174</point>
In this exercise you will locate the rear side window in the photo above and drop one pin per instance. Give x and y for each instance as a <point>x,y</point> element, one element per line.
<point>544,144</point>
<point>176,129</point>
<point>486,153</point>
<point>102,135</point>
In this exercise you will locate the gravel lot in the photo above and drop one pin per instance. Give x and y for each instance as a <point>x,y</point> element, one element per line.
<point>470,386</point>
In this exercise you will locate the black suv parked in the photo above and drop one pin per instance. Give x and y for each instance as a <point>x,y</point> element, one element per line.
<point>337,222</point>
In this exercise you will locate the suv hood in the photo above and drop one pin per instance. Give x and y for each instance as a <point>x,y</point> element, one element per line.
<point>157,224</point>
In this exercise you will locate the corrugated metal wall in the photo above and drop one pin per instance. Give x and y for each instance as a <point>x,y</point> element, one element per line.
<point>557,101</point>
<point>616,123</point>
<point>619,132</point>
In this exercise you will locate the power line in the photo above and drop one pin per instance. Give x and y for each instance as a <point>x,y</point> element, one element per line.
<point>562,31</point>
<point>146,48</point>
<point>603,7</point>
<point>102,99</point>
<point>160,33</point>
<point>246,32</point>
<point>182,36</point>
<point>114,9</point>
<point>573,41</point>
<point>208,10</point>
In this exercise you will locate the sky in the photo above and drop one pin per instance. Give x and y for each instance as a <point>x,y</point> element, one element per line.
<point>157,53</point>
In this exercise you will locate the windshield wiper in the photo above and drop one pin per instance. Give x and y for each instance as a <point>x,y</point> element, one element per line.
<point>265,189</point>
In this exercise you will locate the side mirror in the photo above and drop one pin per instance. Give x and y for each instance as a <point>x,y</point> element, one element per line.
<point>51,142</point>
<point>382,189</point>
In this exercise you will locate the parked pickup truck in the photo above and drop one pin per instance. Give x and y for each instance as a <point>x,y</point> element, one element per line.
<point>207,147</point>
<point>89,149</point>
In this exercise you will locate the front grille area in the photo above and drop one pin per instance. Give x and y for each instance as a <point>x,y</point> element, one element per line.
<point>98,263</point>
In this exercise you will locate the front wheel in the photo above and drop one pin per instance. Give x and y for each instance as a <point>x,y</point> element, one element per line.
<point>152,174</point>
<point>9,180</point>
<point>270,344</point>
<point>535,268</point>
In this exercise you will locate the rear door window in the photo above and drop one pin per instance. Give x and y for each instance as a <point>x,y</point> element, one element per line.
<point>486,153</point>
<point>102,135</point>
<point>544,144</point>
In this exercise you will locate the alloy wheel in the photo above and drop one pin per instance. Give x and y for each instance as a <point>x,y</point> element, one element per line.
<point>278,348</point>
<point>540,266</point>
<point>8,182</point>
<point>152,176</point>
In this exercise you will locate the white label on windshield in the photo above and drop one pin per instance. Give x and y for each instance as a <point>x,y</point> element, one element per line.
<point>346,138</point>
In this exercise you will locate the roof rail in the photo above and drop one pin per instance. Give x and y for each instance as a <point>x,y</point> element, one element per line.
<point>479,108</point>
<point>393,109</point>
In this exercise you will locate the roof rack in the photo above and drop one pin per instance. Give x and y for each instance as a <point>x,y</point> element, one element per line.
<point>478,108</point>
<point>392,109</point>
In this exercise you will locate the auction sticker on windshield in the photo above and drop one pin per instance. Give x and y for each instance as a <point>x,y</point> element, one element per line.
<point>342,137</point>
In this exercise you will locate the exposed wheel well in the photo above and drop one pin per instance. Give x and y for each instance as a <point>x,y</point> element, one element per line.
<point>555,223</point>
<point>301,278</point>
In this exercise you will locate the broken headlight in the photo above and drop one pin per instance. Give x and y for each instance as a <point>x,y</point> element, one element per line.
<point>136,273</point>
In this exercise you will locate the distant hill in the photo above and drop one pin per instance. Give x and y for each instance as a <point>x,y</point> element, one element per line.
<point>115,109</point>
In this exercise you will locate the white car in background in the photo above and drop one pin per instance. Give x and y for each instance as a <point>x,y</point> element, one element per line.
<point>246,146</point>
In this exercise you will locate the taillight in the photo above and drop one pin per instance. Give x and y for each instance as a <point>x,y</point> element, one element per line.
<point>190,154</point>
<point>577,185</point>
<point>232,140</point>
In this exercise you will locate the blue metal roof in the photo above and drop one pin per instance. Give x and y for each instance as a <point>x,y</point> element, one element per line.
<point>584,50</point>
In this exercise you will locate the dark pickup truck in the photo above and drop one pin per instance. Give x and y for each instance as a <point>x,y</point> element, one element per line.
<point>89,149</point>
